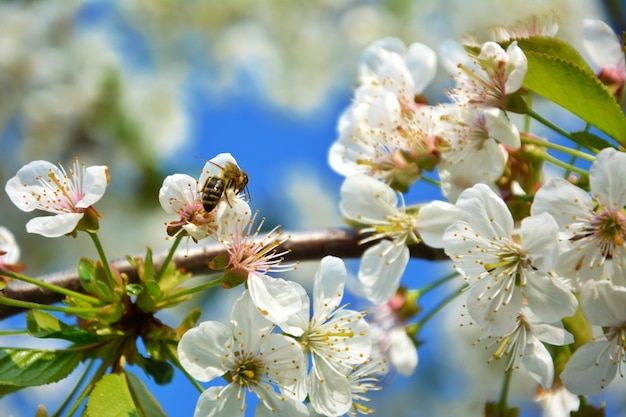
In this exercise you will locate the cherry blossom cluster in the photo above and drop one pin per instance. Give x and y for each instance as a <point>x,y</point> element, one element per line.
<point>525,270</point>
<point>325,357</point>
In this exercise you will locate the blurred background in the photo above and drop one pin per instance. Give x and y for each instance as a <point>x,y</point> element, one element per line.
<point>151,87</point>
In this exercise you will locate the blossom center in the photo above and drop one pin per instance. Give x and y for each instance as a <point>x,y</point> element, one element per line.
<point>248,372</point>
<point>608,229</point>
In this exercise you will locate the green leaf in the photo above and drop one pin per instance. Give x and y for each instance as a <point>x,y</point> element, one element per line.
<point>146,300</point>
<point>93,279</point>
<point>21,368</point>
<point>111,398</point>
<point>133,289</point>
<point>555,48</point>
<point>576,90</point>
<point>589,140</point>
<point>161,371</point>
<point>145,402</point>
<point>149,265</point>
<point>44,325</point>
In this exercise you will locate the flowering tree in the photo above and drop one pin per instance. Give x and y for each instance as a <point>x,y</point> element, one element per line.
<point>536,252</point>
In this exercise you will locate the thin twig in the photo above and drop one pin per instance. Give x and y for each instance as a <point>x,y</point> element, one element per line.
<point>302,246</point>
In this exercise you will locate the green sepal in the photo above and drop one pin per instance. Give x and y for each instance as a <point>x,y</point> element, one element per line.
<point>233,279</point>
<point>515,103</point>
<point>588,410</point>
<point>111,397</point>
<point>172,278</point>
<point>110,313</point>
<point>89,222</point>
<point>146,299</point>
<point>219,262</point>
<point>44,325</point>
<point>21,368</point>
<point>189,321</point>
<point>493,409</point>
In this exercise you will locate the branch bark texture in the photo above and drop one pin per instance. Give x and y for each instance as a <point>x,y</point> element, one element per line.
<point>302,246</point>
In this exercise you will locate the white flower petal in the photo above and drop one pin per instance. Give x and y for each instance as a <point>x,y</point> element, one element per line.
<point>547,297</point>
<point>563,201</point>
<point>553,334</point>
<point>177,192</point>
<point>538,363</point>
<point>220,401</point>
<point>25,189</point>
<point>603,303</point>
<point>602,44</point>
<point>381,269</point>
<point>297,323</point>
<point>330,391</point>
<point>500,127</point>
<point>328,287</point>
<point>9,245</point>
<point>489,214</point>
<point>607,178</point>
<point>94,185</point>
<point>539,236</point>
<point>518,64</point>
<point>280,407</point>
<point>249,325</point>
<point>590,369</point>
<point>422,64</point>
<point>354,348</point>
<point>402,352</point>
<point>274,298</point>
<point>434,218</point>
<point>234,218</point>
<point>285,361</point>
<point>385,112</point>
<point>482,309</point>
<point>202,350</point>
<point>367,200</point>
<point>54,226</point>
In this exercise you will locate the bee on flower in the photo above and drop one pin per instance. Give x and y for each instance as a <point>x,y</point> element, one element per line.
<point>184,196</point>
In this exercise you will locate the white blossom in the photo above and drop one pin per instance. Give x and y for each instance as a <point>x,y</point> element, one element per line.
<point>251,257</point>
<point>488,78</point>
<point>607,54</point>
<point>476,152</point>
<point>373,203</point>
<point>385,132</point>
<point>595,364</point>
<point>592,227</point>
<point>502,264</point>
<point>181,195</point>
<point>524,346</point>
<point>389,334</point>
<point>41,185</point>
<point>336,338</point>
<point>248,357</point>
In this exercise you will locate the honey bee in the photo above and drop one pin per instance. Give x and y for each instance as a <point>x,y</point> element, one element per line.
<point>231,178</point>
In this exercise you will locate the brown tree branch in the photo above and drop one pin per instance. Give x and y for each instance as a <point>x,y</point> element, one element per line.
<point>303,246</point>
